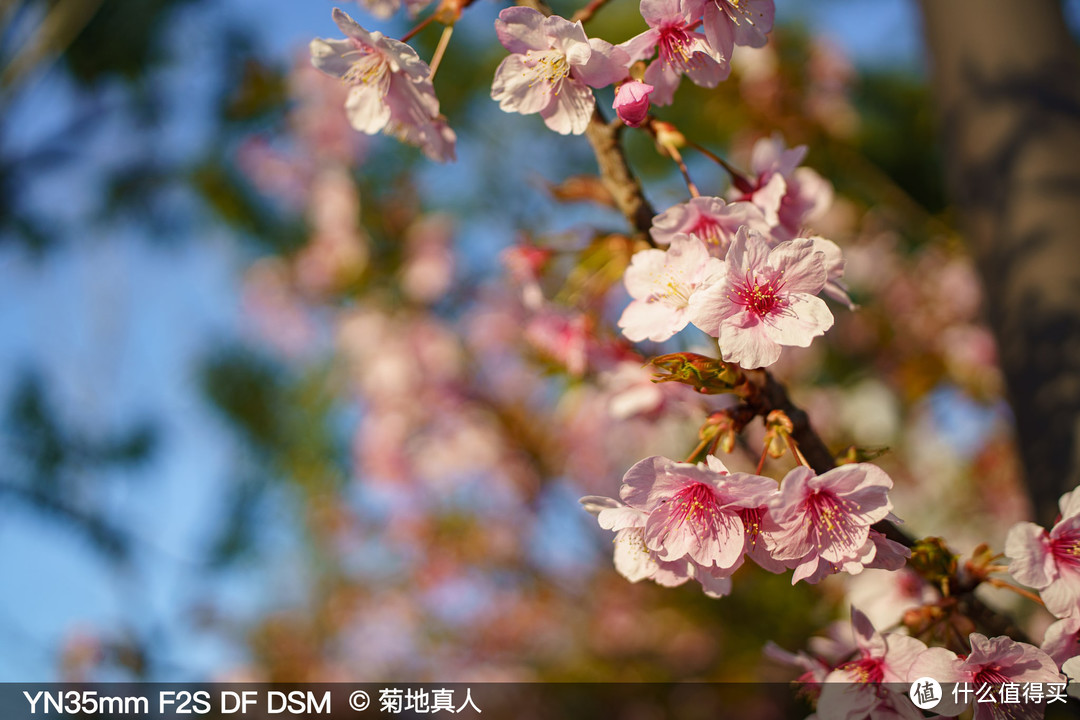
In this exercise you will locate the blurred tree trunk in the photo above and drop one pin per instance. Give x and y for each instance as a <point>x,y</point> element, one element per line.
<point>1007,81</point>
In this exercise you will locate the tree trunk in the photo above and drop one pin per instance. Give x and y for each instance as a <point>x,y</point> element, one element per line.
<point>1007,81</point>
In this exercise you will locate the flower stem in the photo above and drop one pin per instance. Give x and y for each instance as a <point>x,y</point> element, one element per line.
<point>585,14</point>
<point>737,178</point>
<point>677,157</point>
<point>419,26</point>
<point>440,49</point>
<point>1019,591</point>
<point>761,462</point>
<point>697,451</point>
<point>794,447</point>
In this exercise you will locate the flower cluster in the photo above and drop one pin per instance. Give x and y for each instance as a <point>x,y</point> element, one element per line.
<point>553,65</point>
<point>852,680</point>
<point>733,269</point>
<point>676,521</point>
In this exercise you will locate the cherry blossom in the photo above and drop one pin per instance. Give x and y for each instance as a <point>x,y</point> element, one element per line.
<point>826,652</point>
<point>390,87</point>
<point>662,284</point>
<point>834,268</point>
<point>1062,640</point>
<point>764,300</point>
<point>753,519</point>
<point>551,68</point>
<point>635,562</point>
<point>820,522</point>
<point>992,661</point>
<point>789,196</point>
<point>632,558</point>
<point>854,688</point>
<point>710,219</point>
<point>682,50</point>
<point>1050,561</point>
<point>694,509</point>
<point>632,102</point>
<point>738,22</point>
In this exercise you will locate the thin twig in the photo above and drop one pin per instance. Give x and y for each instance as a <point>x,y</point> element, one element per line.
<point>419,26</point>
<point>737,178</point>
<point>437,57</point>
<point>585,14</point>
<point>677,157</point>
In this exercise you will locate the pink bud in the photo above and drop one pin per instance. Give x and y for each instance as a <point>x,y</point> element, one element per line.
<point>632,102</point>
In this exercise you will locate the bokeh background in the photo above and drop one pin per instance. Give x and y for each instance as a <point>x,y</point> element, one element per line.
<point>277,400</point>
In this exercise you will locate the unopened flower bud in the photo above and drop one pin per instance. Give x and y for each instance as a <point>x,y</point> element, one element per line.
<point>632,102</point>
<point>668,136</point>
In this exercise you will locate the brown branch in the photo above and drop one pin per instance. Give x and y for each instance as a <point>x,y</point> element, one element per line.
<point>615,174</point>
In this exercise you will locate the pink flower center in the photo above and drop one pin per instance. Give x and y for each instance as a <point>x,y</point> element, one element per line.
<point>865,670</point>
<point>751,519</point>
<point>676,47</point>
<point>990,674</point>
<point>371,68</point>
<point>696,504</point>
<point>832,518</point>
<point>549,67</point>
<point>708,229</point>
<point>737,10</point>
<point>762,299</point>
<point>1066,549</point>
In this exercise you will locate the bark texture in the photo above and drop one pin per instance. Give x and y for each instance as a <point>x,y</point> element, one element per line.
<point>1007,82</point>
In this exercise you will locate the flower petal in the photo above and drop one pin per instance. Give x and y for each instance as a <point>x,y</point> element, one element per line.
<point>570,108</point>
<point>521,29</point>
<point>516,89</point>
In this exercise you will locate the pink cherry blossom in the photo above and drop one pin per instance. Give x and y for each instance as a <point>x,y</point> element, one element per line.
<point>826,652</point>
<point>789,196</point>
<point>834,268</point>
<point>738,22</point>
<point>764,300</point>
<point>635,562</point>
<point>632,392</point>
<point>632,559</point>
<point>878,552</point>
<point>551,68</point>
<point>694,510</point>
<point>854,689</point>
<point>814,669</point>
<point>632,102</point>
<point>817,522</point>
<point>662,284</point>
<point>885,596</point>
<point>390,87</point>
<point>1062,640</point>
<point>992,661</point>
<point>753,520</point>
<point>682,50</point>
<point>712,220</point>
<point>1050,561</point>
